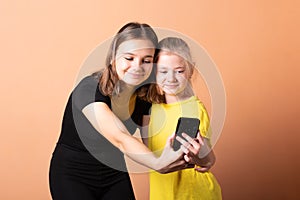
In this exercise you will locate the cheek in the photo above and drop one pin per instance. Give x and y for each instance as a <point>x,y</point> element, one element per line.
<point>121,67</point>
<point>184,78</point>
<point>148,69</point>
<point>184,81</point>
<point>159,79</point>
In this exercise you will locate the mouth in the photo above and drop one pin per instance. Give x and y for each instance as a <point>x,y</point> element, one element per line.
<point>170,86</point>
<point>136,75</point>
<point>174,85</point>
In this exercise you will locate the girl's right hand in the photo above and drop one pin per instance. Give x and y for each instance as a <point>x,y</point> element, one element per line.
<point>171,160</point>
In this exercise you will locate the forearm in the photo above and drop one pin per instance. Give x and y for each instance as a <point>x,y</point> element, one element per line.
<point>108,125</point>
<point>207,161</point>
<point>138,152</point>
<point>206,157</point>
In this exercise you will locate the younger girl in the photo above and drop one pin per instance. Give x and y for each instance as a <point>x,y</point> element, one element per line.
<point>172,98</point>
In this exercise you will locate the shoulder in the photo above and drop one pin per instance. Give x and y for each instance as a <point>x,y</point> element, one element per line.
<point>143,105</point>
<point>87,91</point>
<point>199,103</point>
<point>88,81</point>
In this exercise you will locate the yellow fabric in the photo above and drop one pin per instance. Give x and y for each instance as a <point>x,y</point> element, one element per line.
<point>186,184</point>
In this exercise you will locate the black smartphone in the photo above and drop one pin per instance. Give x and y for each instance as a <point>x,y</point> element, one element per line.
<point>187,125</point>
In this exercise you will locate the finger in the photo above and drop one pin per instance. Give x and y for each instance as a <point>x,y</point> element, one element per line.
<point>191,140</point>
<point>187,158</point>
<point>200,138</point>
<point>194,146</point>
<point>187,147</point>
<point>182,141</point>
<point>202,169</point>
<point>184,149</point>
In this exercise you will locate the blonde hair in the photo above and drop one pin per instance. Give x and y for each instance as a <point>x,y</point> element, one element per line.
<point>172,46</point>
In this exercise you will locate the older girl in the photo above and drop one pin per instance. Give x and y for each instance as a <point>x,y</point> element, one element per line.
<point>101,114</point>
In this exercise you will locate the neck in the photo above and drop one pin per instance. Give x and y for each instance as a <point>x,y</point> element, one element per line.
<point>123,103</point>
<point>126,91</point>
<point>185,94</point>
<point>128,88</point>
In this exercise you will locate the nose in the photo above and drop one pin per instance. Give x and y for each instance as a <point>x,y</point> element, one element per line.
<point>136,63</point>
<point>171,76</point>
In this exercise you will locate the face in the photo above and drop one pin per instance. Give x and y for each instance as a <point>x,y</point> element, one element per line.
<point>134,61</point>
<point>172,74</point>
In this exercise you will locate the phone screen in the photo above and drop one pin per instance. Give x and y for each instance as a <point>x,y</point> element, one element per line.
<point>190,126</point>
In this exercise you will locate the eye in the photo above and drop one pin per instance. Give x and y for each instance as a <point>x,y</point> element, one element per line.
<point>147,61</point>
<point>128,58</point>
<point>180,71</point>
<point>163,71</point>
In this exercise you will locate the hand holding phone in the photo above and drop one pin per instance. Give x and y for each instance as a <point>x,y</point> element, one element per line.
<point>187,125</point>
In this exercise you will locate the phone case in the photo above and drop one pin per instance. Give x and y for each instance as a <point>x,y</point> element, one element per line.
<point>186,125</point>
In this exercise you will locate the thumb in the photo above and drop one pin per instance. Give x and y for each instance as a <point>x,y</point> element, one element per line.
<point>202,169</point>
<point>171,139</point>
<point>137,131</point>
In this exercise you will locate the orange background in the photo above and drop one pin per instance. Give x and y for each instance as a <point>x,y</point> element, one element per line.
<point>254,44</point>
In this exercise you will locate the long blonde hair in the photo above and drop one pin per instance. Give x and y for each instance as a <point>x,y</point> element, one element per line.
<point>169,45</point>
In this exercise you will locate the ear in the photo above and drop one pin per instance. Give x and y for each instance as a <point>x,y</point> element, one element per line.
<point>191,69</point>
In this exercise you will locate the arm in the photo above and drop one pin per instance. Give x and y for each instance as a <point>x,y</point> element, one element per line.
<point>107,124</point>
<point>206,157</point>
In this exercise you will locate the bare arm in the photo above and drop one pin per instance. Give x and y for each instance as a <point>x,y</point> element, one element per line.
<point>107,124</point>
<point>206,157</point>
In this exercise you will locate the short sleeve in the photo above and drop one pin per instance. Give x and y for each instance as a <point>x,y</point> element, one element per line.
<point>87,92</point>
<point>141,108</point>
<point>204,122</point>
<point>145,107</point>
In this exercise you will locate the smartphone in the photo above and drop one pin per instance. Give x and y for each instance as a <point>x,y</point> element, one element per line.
<point>187,125</point>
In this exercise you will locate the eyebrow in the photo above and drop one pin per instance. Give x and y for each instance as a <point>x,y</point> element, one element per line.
<point>132,54</point>
<point>164,67</point>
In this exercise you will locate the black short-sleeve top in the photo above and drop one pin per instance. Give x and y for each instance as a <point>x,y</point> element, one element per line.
<point>79,134</point>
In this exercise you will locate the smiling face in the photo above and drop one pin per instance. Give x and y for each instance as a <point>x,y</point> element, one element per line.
<point>134,61</point>
<point>172,75</point>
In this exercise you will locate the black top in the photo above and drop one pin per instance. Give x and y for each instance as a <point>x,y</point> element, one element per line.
<point>79,134</point>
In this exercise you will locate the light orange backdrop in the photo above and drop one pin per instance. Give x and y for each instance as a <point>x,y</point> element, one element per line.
<point>255,45</point>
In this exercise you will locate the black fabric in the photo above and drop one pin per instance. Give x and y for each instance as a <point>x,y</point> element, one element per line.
<point>82,155</point>
<point>74,176</point>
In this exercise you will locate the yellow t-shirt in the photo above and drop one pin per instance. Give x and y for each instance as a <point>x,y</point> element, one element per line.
<point>186,184</point>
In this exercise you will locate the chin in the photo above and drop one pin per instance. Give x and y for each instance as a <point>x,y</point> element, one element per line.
<point>134,83</point>
<point>173,93</point>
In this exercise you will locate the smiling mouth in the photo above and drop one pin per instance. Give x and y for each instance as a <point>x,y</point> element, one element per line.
<point>170,86</point>
<point>136,75</point>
